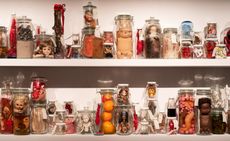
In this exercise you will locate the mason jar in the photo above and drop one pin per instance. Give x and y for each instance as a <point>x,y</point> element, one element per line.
<point>209,45</point>
<point>186,111</point>
<point>21,124</point>
<point>170,48</point>
<point>21,103</point>
<point>220,51</point>
<point>123,95</point>
<point>90,15</point>
<point>39,119</point>
<point>3,42</point>
<point>186,30</point>
<point>152,42</point>
<point>218,126</point>
<point>124,120</point>
<point>186,50</point>
<point>198,52</point>
<point>124,36</point>
<point>45,45</point>
<point>87,43</point>
<point>25,44</point>
<point>38,95</point>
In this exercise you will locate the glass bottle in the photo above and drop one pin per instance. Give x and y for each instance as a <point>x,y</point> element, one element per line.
<point>218,126</point>
<point>186,50</point>
<point>186,30</point>
<point>186,111</point>
<point>152,43</point>
<point>90,15</point>
<point>198,52</point>
<point>172,123</point>
<point>12,52</point>
<point>220,51</point>
<point>123,95</point>
<point>87,43</point>
<point>209,45</point>
<point>108,43</point>
<point>3,42</point>
<point>38,95</point>
<point>44,47</point>
<point>124,36</point>
<point>25,44</point>
<point>170,49</point>
<point>39,120</point>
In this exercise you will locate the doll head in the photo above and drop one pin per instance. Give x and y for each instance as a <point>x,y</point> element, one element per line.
<point>151,91</point>
<point>124,33</point>
<point>205,106</point>
<point>88,16</point>
<point>20,105</point>
<point>86,118</point>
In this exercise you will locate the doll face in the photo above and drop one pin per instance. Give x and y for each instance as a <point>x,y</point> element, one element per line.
<point>89,16</point>
<point>205,108</point>
<point>19,105</point>
<point>46,50</point>
<point>151,91</point>
<point>125,33</point>
<point>85,118</point>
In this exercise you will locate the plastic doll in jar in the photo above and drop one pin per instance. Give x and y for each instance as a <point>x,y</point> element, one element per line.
<point>124,43</point>
<point>89,20</point>
<point>123,97</point>
<point>86,127</point>
<point>108,37</point>
<point>44,50</point>
<point>21,104</point>
<point>124,125</point>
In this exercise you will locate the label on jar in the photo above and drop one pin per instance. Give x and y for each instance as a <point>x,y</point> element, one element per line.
<point>173,38</point>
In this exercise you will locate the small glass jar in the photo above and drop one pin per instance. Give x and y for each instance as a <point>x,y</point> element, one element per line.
<point>90,16</point>
<point>69,107</point>
<point>39,120</point>
<point>220,51</point>
<point>38,94</point>
<point>123,95</point>
<point>171,122</point>
<point>21,103</point>
<point>186,50</point>
<point>59,129</point>
<point>209,45</point>
<point>60,116</point>
<point>226,39</point>
<point>44,47</point>
<point>218,126</point>
<point>186,30</point>
<point>88,39</point>
<point>85,121</point>
<point>151,90</point>
<point>144,126</point>
<point>186,111</point>
<point>70,123</point>
<point>211,30</point>
<point>198,52</point>
<point>152,36</point>
<point>124,36</point>
<point>21,124</point>
<point>108,43</point>
<point>228,116</point>
<point>25,44</point>
<point>51,107</point>
<point>170,49</point>
<point>3,42</point>
<point>124,120</point>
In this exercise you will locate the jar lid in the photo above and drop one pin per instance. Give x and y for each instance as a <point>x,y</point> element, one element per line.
<point>60,124</point>
<point>88,30</point>
<point>166,30</point>
<point>181,91</point>
<point>23,19</point>
<point>39,79</point>
<point>107,91</point>
<point>211,39</point>
<point>123,85</point>
<point>203,91</point>
<point>123,106</point>
<point>221,45</point>
<point>124,17</point>
<point>89,7</point>
<point>187,21</point>
<point>3,28</point>
<point>20,90</point>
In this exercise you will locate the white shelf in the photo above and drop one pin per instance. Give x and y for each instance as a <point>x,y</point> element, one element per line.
<point>152,137</point>
<point>114,62</point>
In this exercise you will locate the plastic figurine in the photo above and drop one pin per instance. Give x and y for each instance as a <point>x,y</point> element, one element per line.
<point>123,96</point>
<point>124,125</point>
<point>86,127</point>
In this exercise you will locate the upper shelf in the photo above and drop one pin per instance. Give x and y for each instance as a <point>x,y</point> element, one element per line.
<point>114,62</point>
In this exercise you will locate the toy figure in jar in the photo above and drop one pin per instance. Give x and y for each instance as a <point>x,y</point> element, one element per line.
<point>124,39</point>
<point>219,52</point>
<point>123,94</point>
<point>89,16</point>
<point>86,124</point>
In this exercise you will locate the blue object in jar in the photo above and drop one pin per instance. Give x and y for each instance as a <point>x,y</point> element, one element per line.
<point>186,30</point>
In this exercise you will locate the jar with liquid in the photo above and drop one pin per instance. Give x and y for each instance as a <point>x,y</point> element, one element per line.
<point>21,103</point>
<point>70,123</point>
<point>186,50</point>
<point>38,95</point>
<point>21,125</point>
<point>220,51</point>
<point>198,52</point>
<point>88,39</point>
<point>211,30</point>
<point>209,45</point>
<point>108,44</point>
<point>151,90</point>
<point>124,36</point>
<point>218,126</point>
<point>186,30</point>
<point>59,116</point>
<point>69,107</point>
<point>3,42</point>
<point>51,107</point>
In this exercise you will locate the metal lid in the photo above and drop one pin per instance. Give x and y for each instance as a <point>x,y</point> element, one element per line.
<point>203,91</point>
<point>221,45</point>
<point>107,91</point>
<point>20,91</point>
<point>89,7</point>
<point>182,91</point>
<point>123,85</point>
<point>124,17</point>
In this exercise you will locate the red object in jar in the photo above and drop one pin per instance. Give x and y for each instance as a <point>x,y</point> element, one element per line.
<point>88,46</point>
<point>209,46</point>
<point>186,52</point>
<point>227,42</point>
<point>6,121</point>
<point>171,125</point>
<point>39,92</point>
<point>140,43</point>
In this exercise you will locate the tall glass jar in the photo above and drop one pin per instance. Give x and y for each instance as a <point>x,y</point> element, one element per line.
<point>218,126</point>
<point>124,120</point>
<point>186,111</point>
<point>123,95</point>
<point>39,120</point>
<point>38,94</point>
<point>3,42</point>
<point>25,44</point>
<point>90,16</point>
<point>170,49</point>
<point>124,36</point>
<point>45,46</point>
<point>186,30</point>
<point>220,51</point>
<point>152,36</point>
<point>186,50</point>
<point>209,45</point>
<point>198,52</point>
<point>87,43</point>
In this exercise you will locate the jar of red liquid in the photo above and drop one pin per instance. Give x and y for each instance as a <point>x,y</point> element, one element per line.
<point>70,122</point>
<point>186,51</point>
<point>186,111</point>
<point>88,38</point>
<point>38,94</point>
<point>210,44</point>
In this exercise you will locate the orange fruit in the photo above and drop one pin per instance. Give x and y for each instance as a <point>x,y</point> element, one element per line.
<point>108,106</point>
<point>106,116</point>
<point>108,127</point>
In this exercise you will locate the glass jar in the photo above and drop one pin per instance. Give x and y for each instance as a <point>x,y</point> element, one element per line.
<point>25,44</point>
<point>186,50</point>
<point>198,52</point>
<point>3,42</point>
<point>13,38</point>
<point>228,116</point>
<point>211,30</point>
<point>69,107</point>
<point>186,30</point>
<point>108,43</point>
<point>70,123</point>
<point>170,49</point>
<point>144,126</point>
<point>88,39</point>
<point>39,120</point>
<point>124,120</point>
<point>21,103</point>
<point>186,111</point>
<point>171,123</point>
<point>44,47</point>
<point>51,123</point>
<point>21,124</point>
<point>210,44</point>
<point>151,90</point>
<point>59,129</point>
<point>51,107</point>
<point>85,121</point>
<point>90,16</point>
<point>220,51</point>
<point>152,36</point>
<point>123,95</point>
<point>124,36</point>
<point>60,116</point>
<point>38,94</point>
<point>107,111</point>
<point>226,39</point>
<point>203,103</point>
<point>218,126</point>
<point>197,38</point>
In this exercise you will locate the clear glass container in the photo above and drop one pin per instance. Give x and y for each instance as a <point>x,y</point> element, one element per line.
<point>21,124</point>
<point>85,121</point>
<point>144,126</point>
<point>220,51</point>
<point>25,44</point>
<point>70,107</point>
<point>151,90</point>
<point>90,15</point>
<point>198,52</point>
<point>186,111</point>
<point>211,30</point>
<point>13,38</point>
<point>51,107</point>
<point>123,95</point>
<point>186,30</point>
<point>197,38</point>
<point>218,126</point>
<point>209,45</point>
<point>225,38</point>
<point>3,42</point>
<point>171,123</point>
<point>60,116</point>
<point>87,43</point>
<point>140,43</point>
<point>108,43</point>
<point>70,122</point>
<point>44,47</point>
<point>21,103</point>
<point>51,123</point>
<point>124,36</point>
<point>39,119</point>
<point>186,50</point>
<point>152,42</point>
<point>170,48</point>
<point>38,95</point>
<point>59,129</point>
<point>124,120</point>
